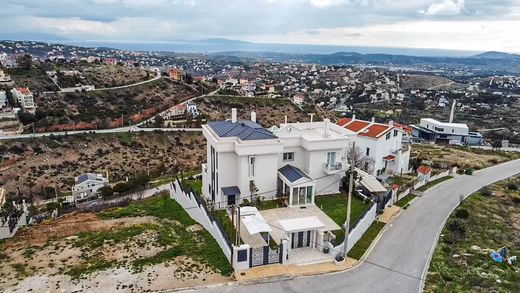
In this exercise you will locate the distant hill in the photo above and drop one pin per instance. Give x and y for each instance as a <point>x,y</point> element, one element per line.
<point>497,55</point>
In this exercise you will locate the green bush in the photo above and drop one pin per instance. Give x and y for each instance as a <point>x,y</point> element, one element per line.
<point>512,186</point>
<point>486,191</point>
<point>462,213</point>
<point>469,171</point>
<point>457,227</point>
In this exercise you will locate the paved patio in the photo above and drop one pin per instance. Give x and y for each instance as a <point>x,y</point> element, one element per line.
<point>308,256</point>
<point>273,217</point>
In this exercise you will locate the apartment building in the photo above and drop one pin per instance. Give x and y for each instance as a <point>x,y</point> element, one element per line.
<point>381,145</point>
<point>297,160</point>
<point>25,98</point>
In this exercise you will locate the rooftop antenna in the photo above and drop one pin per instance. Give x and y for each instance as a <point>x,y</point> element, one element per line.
<point>452,113</point>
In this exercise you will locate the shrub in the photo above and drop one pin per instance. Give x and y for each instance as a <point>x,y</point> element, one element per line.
<point>469,171</point>
<point>512,186</point>
<point>457,227</point>
<point>486,191</point>
<point>462,213</point>
<point>339,258</point>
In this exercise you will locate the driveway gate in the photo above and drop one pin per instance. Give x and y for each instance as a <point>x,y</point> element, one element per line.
<point>262,256</point>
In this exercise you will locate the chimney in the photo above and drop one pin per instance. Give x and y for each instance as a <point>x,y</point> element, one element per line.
<point>391,123</point>
<point>234,115</point>
<point>353,117</point>
<point>327,126</point>
<point>285,119</point>
<point>253,116</point>
<point>373,119</point>
<point>312,117</point>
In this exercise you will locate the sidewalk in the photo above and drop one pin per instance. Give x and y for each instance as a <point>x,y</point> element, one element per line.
<point>268,272</point>
<point>390,214</point>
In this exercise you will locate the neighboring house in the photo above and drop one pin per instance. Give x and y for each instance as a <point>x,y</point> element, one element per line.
<point>297,160</point>
<point>4,77</point>
<point>178,110</point>
<point>3,100</point>
<point>446,133</point>
<point>298,99</point>
<point>176,74</point>
<point>86,186</point>
<point>191,108</point>
<point>25,98</point>
<point>10,61</point>
<point>381,145</point>
<point>424,173</point>
<point>110,61</point>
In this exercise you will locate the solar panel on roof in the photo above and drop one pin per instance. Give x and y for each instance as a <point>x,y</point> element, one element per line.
<point>245,130</point>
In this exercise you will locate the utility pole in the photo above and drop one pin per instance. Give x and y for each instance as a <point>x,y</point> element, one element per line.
<point>349,201</point>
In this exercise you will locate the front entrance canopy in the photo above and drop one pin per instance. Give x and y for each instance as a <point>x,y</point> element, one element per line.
<point>372,184</point>
<point>302,224</point>
<point>231,190</point>
<point>253,221</point>
<point>292,175</point>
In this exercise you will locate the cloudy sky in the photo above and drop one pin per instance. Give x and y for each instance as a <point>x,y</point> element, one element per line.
<point>445,24</point>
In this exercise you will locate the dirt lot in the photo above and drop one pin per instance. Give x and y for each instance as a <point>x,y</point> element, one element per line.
<point>102,76</point>
<point>268,111</point>
<point>107,252</point>
<point>443,157</point>
<point>428,82</point>
<point>64,108</point>
<point>33,164</point>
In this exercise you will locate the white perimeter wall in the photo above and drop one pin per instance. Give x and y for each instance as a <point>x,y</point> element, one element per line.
<point>198,213</point>
<point>358,231</point>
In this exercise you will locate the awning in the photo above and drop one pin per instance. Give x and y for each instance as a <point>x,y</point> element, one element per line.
<point>231,190</point>
<point>372,184</point>
<point>301,224</point>
<point>389,158</point>
<point>253,220</point>
<point>292,173</point>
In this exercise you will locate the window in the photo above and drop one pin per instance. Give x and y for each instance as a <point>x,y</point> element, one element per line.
<point>331,158</point>
<point>368,152</point>
<point>288,156</point>
<point>295,196</point>
<point>388,135</point>
<point>252,166</point>
<point>395,132</point>
<point>309,194</point>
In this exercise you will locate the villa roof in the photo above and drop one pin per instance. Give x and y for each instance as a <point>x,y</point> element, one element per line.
<point>376,130</point>
<point>424,170</point>
<point>292,173</point>
<point>87,176</point>
<point>244,129</point>
<point>356,125</point>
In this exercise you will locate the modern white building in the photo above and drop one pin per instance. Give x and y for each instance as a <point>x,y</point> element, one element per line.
<point>296,160</point>
<point>3,100</point>
<point>4,77</point>
<point>447,133</point>
<point>25,98</point>
<point>86,186</point>
<point>191,108</point>
<point>381,145</point>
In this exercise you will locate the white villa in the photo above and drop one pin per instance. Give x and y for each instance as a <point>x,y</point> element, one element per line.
<point>25,98</point>
<point>86,186</point>
<point>297,160</point>
<point>3,100</point>
<point>381,145</point>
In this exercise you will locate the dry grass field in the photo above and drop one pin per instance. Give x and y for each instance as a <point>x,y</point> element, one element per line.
<point>34,164</point>
<point>103,76</point>
<point>149,245</point>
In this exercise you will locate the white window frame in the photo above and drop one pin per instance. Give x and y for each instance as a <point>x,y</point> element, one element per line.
<point>288,156</point>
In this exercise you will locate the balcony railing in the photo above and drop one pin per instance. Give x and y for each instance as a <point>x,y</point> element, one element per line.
<point>331,168</point>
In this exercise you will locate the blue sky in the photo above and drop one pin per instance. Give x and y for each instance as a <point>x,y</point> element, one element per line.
<point>445,24</point>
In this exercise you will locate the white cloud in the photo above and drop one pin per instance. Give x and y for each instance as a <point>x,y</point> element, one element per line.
<point>326,3</point>
<point>445,8</point>
<point>482,35</point>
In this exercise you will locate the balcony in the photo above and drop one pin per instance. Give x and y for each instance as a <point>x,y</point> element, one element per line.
<point>332,168</point>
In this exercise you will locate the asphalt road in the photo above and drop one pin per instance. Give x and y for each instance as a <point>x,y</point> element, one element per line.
<point>400,259</point>
<point>110,130</point>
